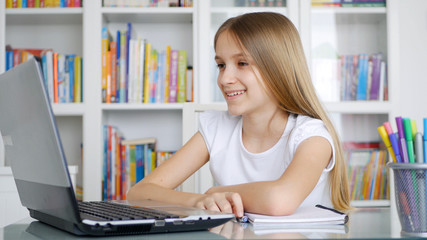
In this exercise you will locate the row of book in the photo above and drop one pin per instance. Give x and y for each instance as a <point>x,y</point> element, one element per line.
<point>368,174</point>
<point>134,72</point>
<point>260,3</point>
<point>62,73</point>
<point>148,3</point>
<point>43,3</point>
<point>348,3</point>
<point>127,162</point>
<point>351,78</point>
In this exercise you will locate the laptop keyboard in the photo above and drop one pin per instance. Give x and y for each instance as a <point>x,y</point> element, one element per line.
<point>114,211</point>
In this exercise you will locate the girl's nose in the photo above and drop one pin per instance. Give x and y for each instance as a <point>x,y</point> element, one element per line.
<point>227,76</point>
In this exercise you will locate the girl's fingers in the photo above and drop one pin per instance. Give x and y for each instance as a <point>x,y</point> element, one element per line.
<point>236,202</point>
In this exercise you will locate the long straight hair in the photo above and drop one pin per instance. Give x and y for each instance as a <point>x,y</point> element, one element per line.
<point>274,43</point>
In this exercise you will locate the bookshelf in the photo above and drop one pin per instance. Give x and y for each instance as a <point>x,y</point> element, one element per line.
<point>78,30</point>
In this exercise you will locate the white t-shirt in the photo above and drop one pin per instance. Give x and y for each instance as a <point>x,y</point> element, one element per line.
<point>231,163</point>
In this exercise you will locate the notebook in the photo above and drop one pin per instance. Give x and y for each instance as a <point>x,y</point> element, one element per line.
<point>33,148</point>
<point>304,216</point>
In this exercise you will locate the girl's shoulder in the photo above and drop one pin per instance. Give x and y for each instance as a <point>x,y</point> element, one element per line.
<point>303,121</point>
<point>306,127</point>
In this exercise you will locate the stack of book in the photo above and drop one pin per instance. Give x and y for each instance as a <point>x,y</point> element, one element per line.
<point>348,3</point>
<point>62,73</point>
<point>127,162</point>
<point>134,72</point>
<point>367,172</point>
<point>148,3</point>
<point>260,3</point>
<point>351,78</point>
<point>43,3</point>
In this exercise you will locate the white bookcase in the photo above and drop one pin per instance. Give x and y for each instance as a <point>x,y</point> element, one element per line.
<point>78,30</point>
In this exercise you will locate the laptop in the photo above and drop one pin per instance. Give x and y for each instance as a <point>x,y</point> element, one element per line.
<point>33,148</point>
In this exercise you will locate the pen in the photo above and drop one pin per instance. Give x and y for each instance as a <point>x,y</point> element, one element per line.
<point>425,140</point>
<point>243,219</point>
<point>402,141</point>
<point>419,157</point>
<point>395,146</point>
<point>384,136</point>
<point>413,127</point>
<point>406,209</point>
<point>419,149</point>
<point>408,137</point>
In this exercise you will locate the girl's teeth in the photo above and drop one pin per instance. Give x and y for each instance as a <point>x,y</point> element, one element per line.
<point>235,93</point>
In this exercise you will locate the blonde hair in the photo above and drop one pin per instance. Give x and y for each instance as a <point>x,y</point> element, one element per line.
<point>275,46</point>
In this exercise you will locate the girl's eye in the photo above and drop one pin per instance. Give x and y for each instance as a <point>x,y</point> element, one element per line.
<point>243,64</point>
<point>220,66</point>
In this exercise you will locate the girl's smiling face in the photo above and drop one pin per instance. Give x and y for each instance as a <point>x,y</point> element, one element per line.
<point>239,78</point>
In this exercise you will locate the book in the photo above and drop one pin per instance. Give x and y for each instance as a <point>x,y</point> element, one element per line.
<point>173,77</point>
<point>311,215</point>
<point>181,80</point>
<point>139,141</point>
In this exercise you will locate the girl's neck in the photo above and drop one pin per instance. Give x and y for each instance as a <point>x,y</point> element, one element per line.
<point>262,131</point>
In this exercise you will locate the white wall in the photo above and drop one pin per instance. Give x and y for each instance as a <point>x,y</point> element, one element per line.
<point>413,60</point>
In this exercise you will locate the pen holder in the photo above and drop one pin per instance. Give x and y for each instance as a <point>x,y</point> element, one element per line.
<point>410,184</point>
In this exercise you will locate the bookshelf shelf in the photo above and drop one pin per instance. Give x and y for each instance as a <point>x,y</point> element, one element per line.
<point>148,15</point>
<point>149,106</point>
<point>44,16</point>
<point>349,10</point>
<point>359,107</point>
<point>68,109</point>
<point>238,10</point>
<point>370,203</point>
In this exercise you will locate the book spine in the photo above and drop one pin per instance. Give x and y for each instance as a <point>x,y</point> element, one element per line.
<point>118,51</point>
<point>108,76</point>
<point>128,38</point>
<point>147,73</point>
<point>182,70</point>
<point>113,50</point>
<point>61,76</point>
<point>117,153</point>
<point>167,73</point>
<point>189,81</point>
<point>376,71</point>
<point>9,4</point>
<point>153,76</point>
<point>173,77</point>
<point>104,50</point>
<point>123,53</point>
<point>71,78</point>
<point>123,170</point>
<point>78,79</point>
<point>362,84</point>
<point>141,70</point>
<point>132,165</point>
<point>55,77</point>
<point>9,60</point>
<point>105,163</point>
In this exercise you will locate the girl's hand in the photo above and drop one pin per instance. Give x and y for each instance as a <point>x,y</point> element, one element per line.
<point>227,202</point>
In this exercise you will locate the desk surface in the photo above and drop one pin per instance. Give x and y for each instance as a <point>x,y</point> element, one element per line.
<point>369,223</point>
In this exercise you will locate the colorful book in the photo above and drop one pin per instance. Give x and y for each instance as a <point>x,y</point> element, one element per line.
<point>182,71</point>
<point>173,77</point>
<point>189,85</point>
<point>147,73</point>
<point>77,79</point>
<point>113,67</point>
<point>105,45</point>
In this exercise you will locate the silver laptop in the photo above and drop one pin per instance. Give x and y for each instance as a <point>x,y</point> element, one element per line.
<point>33,148</point>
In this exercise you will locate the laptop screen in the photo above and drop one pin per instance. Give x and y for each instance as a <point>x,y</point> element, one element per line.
<point>31,141</point>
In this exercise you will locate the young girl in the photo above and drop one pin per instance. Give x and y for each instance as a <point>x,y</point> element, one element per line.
<point>275,149</point>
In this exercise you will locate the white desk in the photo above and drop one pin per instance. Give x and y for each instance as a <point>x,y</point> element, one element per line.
<point>368,223</point>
